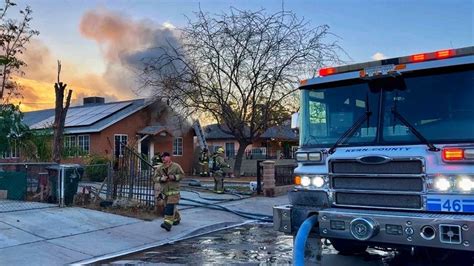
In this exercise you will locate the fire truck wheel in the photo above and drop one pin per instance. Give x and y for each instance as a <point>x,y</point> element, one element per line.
<point>348,247</point>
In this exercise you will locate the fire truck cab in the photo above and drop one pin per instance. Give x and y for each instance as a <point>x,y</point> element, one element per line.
<point>386,154</point>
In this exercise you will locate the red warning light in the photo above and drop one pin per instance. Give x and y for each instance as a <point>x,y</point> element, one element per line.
<point>327,71</point>
<point>444,53</point>
<point>453,154</point>
<point>418,57</point>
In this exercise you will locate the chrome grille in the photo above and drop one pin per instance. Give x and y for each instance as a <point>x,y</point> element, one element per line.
<point>379,200</point>
<point>392,167</point>
<point>381,183</point>
<point>393,183</point>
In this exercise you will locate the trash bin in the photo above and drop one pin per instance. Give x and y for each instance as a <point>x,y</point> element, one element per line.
<point>72,175</point>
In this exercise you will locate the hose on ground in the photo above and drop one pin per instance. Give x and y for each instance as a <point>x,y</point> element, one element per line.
<point>261,219</point>
<point>300,240</point>
<point>213,199</point>
<point>255,216</point>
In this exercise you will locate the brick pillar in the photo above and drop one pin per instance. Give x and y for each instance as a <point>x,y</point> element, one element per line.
<point>268,178</point>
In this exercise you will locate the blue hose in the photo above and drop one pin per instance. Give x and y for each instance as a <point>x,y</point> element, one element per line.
<point>300,241</point>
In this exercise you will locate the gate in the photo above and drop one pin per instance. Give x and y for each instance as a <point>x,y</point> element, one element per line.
<point>132,179</point>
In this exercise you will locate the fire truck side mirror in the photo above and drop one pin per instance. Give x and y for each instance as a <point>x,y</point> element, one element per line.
<point>295,121</point>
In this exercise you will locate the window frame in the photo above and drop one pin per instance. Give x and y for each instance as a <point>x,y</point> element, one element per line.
<point>83,151</point>
<point>13,152</point>
<point>121,151</point>
<point>72,142</point>
<point>178,147</point>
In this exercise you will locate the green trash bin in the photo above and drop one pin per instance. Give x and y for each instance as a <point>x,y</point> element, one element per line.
<point>72,175</point>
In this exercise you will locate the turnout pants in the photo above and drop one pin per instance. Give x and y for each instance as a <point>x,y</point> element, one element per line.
<point>172,215</point>
<point>219,182</point>
<point>159,199</point>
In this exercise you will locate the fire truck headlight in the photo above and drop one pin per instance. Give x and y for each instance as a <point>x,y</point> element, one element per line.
<point>305,181</point>
<point>318,181</point>
<point>442,183</point>
<point>314,156</point>
<point>308,157</point>
<point>465,184</point>
<point>301,156</point>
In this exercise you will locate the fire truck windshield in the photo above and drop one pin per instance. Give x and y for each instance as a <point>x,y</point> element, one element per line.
<point>438,104</point>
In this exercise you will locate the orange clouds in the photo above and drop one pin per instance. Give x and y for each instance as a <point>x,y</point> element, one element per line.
<point>123,42</point>
<point>41,74</point>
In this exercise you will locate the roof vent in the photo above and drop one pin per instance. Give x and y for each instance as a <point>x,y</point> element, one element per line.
<point>94,100</point>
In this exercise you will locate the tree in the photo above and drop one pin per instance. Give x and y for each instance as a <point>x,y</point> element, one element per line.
<point>60,112</point>
<point>14,35</point>
<point>12,130</point>
<point>239,68</point>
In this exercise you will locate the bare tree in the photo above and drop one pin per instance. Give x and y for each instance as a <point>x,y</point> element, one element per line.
<point>60,112</point>
<point>239,68</point>
<point>14,35</point>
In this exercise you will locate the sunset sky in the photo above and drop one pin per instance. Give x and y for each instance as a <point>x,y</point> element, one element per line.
<point>99,42</point>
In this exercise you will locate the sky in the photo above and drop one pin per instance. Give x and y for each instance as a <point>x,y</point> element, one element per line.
<point>92,37</point>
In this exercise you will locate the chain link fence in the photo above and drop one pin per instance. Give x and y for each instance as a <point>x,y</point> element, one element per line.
<point>28,186</point>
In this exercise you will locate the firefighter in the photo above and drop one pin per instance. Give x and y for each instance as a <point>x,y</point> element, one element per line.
<point>159,197</point>
<point>156,160</point>
<point>169,174</point>
<point>204,162</point>
<point>219,169</point>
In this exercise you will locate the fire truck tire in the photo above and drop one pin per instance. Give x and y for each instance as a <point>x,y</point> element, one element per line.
<point>348,247</point>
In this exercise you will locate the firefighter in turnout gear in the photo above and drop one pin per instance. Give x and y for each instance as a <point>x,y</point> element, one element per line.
<point>159,197</point>
<point>156,160</point>
<point>169,174</point>
<point>204,162</point>
<point>219,168</point>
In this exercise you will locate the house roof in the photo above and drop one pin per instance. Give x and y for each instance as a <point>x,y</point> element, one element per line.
<point>214,132</point>
<point>154,130</point>
<point>282,132</point>
<point>88,118</point>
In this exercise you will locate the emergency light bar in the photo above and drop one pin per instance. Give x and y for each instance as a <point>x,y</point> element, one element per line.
<point>399,62</point>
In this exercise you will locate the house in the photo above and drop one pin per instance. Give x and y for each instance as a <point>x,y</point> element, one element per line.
<point>216,137</point>
<point>275,143</point>
<point>281,141</point>
<point>98,128</point>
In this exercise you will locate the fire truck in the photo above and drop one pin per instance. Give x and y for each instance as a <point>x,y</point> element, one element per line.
<point>386,154</point>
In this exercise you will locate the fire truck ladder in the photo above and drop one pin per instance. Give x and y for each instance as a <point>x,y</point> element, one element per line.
<point>200,135</point>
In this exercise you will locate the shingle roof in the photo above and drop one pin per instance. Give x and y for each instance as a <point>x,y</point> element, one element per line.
<point>37,118</point>
<point>153,130</point>
<point>214,132</point>
<point>282,132</point>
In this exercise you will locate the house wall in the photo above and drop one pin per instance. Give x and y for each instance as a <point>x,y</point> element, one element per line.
<point>162,144</point>
<point>103,143</point>
<point>222,142</point>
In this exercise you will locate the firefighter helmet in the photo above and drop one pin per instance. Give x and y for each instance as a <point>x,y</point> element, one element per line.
<point>220,150</point>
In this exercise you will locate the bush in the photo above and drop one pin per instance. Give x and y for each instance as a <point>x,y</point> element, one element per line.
<point>97,168</point>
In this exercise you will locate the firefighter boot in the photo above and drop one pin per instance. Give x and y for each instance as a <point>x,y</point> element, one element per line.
<point>176,217</point>
<point>166,226</point>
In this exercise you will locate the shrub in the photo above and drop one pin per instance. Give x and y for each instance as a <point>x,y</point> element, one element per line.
<point>97,168</point>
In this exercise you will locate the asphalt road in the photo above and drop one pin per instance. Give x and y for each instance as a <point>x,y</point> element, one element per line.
<point>257,244</point>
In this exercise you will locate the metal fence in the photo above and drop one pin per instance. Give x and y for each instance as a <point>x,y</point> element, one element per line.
<point>257,153</point>
<point>284,174</point>
<point>22,185</point>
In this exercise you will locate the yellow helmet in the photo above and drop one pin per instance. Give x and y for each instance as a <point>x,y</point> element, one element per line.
<point>220,150</point>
